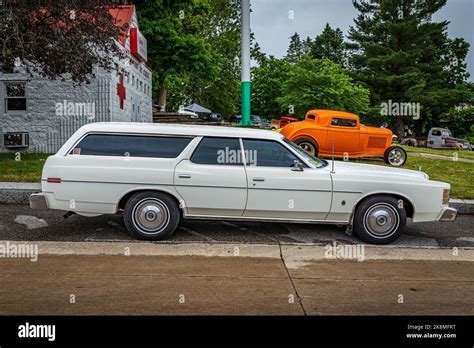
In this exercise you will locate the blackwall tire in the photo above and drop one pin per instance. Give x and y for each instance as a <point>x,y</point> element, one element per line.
<point>380,219</point>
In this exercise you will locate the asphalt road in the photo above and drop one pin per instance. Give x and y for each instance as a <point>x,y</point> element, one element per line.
<point>19,222</point>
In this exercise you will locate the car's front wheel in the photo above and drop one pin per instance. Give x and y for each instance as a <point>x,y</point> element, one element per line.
<point>380,219</point>
<point>151,215</point>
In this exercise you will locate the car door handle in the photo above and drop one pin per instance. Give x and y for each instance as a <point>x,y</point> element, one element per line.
<point>184,176</point>
<point>258,179</point>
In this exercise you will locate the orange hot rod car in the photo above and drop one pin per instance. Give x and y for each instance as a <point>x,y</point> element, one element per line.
<point>326,132</point>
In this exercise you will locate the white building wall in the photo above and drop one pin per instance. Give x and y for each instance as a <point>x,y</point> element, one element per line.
<point>48,131</point>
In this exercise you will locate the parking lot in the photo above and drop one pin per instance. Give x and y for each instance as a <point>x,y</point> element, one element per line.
<point>19,222</point>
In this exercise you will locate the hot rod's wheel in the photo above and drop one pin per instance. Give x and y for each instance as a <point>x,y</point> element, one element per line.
<point>395,156</point>
<point>151,215</point>
<point>308,145</point>
<point>380,219</point>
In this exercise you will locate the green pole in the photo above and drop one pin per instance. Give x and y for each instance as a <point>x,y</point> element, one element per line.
<point>245,62</point>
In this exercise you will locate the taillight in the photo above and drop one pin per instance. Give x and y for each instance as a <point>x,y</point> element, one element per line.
<point>54,180</point>
<point>446,196</point>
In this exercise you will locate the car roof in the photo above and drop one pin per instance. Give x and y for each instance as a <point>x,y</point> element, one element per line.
<point>332,113</point>
<point>179,129</point>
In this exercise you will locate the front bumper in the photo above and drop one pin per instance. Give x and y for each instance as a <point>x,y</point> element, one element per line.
<point>448,214</point>
<point>38,201</point>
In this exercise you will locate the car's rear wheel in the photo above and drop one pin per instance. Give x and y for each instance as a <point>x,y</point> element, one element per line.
<point>151,215</point>
<point>395,156</point>
<point>308,145</point>
<point>380,219</point>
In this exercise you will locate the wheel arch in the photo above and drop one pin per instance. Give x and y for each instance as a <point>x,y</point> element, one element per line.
<point>407,203</point>
<point>126,196</point>
<point>306,135</point>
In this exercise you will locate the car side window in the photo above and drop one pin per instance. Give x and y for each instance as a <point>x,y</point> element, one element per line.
<point>311,117</point>
<point>131,146</point>
<point>343,122</point>
<point>268,153</point>
<point>218,151</point>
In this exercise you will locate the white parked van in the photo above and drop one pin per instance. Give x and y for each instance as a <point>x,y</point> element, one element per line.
<point>156,173</point>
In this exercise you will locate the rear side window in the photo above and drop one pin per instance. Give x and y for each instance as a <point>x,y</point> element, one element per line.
<point>436,133</point>
<point>131,146</point>
<point>218,151</point>
<point>343,122</point>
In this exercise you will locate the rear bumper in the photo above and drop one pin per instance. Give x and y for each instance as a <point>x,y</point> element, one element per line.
<point>38,201</point>
<point>448,214</point>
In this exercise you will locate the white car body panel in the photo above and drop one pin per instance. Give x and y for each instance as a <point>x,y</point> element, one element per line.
<point>288,194</point>
<point>211,190</point>
<point>94,185</point>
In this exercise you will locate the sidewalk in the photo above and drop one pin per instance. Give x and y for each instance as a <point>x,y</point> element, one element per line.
<point>234,279</point>
<point>442,157</point>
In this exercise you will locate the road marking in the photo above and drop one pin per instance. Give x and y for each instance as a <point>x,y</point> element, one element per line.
<point>318,234</point>
<point>106,240</point>
<point>466,239</point>
<point>31,222</point>
<point>197,234</point>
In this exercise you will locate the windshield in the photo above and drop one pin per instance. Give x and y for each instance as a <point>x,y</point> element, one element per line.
<point>447,134</point>
<point>316,162</point>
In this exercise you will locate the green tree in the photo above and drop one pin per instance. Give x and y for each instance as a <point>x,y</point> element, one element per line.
<point>329,45</point>
<point>221,93</point>
<point>405,57</point>
<point>267,86</point>
<point>296,49</point>
<point>54,38</point>
<point>321,84</point>
<point>176,48</point>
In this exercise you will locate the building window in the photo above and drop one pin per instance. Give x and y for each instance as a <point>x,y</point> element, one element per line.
<point>15,97</point>
<point>141,86</point>
<point>133,80</point>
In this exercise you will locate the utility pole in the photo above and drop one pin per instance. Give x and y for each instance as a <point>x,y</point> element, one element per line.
<point>245,61</point>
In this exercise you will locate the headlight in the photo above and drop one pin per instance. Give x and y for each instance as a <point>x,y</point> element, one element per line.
<point>446,196</point>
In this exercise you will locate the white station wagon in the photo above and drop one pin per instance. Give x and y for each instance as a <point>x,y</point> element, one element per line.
<point>157,174</point>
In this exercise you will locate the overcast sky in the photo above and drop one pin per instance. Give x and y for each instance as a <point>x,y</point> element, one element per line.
<point>272,24</point>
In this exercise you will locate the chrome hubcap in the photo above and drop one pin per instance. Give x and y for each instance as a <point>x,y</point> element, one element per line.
<point>381,220</point>
<point>151,215</point>
<point>396,157</point>
<point>308,147</point>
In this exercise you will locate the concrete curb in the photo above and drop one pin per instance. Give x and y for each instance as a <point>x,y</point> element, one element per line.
<point>463,206</point>
<point>295,256</point>
<point>19,193</point>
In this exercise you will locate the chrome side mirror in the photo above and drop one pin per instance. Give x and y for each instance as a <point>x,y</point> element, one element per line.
<point>297,166</point>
